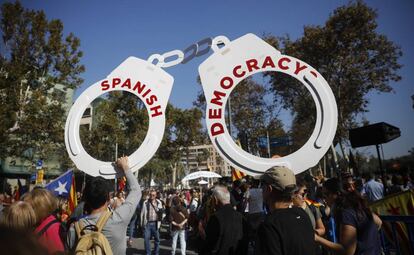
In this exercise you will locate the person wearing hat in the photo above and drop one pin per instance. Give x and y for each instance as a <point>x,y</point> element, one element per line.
<point>286,229</point>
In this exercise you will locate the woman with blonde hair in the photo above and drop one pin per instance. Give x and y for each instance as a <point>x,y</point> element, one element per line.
<point>48,227</point>
<point>19,216</point>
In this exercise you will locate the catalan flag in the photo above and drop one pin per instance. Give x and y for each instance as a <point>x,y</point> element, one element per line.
<point>72,199</point>
<point>312,202</point>
<point>397,204</point>
<point>235,173</point>
<point>64,186</point>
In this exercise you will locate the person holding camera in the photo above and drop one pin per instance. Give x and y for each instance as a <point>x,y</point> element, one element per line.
<point>151,215</point>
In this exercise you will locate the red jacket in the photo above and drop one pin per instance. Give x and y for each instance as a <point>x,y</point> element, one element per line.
<point>51,238</point>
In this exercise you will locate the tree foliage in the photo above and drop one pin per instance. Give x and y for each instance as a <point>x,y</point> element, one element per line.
<point>253,114</point>
<point>121,117</point>
<point>38,64</point>
<point>350,54</point>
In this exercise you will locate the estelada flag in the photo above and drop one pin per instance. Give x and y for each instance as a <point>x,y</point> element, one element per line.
<point>399,204</point>
<point>64,186</point>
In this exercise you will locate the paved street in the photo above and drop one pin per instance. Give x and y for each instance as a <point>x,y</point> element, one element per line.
<point>165,247</point>
<point>165,244</point>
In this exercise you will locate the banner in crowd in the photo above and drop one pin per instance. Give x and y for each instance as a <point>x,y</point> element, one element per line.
<point>230,63</point>
<point>64,186</point>
<point>400,204</point>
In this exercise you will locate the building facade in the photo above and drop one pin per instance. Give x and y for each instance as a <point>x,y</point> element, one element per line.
<point>205,158</point>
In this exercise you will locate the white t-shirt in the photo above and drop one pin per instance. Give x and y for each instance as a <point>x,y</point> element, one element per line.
<point>255,201</point>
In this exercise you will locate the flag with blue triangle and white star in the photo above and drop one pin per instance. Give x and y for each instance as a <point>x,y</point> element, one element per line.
<point>61,185</point>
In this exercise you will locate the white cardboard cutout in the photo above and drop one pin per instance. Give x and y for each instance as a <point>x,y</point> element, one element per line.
<point>243,57</point>
<point>145,80</point>
<point>219,74</point>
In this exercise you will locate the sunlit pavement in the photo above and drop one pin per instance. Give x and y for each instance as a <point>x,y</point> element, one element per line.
<point>138,246</point>
<point>165,247</point>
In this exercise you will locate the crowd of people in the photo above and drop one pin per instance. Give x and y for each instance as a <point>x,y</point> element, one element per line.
<point>276,213</point>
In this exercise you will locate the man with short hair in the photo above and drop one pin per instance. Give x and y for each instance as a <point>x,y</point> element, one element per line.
<point>150,222</point>
<point>373,190</point>
<point>96,197</point>
<point>286,229</point>
<point>226,230</point>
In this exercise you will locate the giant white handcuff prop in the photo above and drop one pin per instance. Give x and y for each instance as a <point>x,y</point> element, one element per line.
<point>231,62</point>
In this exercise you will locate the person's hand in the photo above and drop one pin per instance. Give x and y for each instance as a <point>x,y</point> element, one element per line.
<point>122,164</point>
<point>317,238</point>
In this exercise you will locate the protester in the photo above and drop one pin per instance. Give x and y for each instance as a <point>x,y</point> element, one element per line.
<point>397,185</point>
<point>151,222</point>
<point>358,226</point>
<point>226,230</point>
<point>20,216</point>
<point>238,196</point>
<point>194,205</point>
<point>118,200</point>
<point>96,197</point>
<point>204,213</point>
<point>299,200</point>
<point>62,209</point>
<point>178,219</point>
<point>286,230</point>
<point>255,214</point>
<point>48,227</point>
<point>373,190</point>
<point>133,224</point>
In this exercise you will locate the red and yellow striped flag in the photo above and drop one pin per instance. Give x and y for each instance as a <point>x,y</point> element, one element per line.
<point>395,205</point>
<point>72,200</point>
<point>237,175</point>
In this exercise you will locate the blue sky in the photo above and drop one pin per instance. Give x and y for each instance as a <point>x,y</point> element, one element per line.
<point>111,31</point>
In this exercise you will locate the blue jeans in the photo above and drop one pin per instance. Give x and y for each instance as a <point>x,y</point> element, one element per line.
<point>151,230</point>
<point>175,235</point>
<point>132,225</point>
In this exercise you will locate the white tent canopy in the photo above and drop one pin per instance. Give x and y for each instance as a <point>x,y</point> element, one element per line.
<point>202,182</point>
<point>200,174</point>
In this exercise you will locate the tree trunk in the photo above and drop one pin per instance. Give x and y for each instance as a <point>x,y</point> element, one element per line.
<point>345,156</point>
<point>174,174</point>
<point>335,158</point>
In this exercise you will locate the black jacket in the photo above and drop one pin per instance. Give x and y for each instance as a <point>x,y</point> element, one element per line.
<point>226,233</point>
<point>286,232</point>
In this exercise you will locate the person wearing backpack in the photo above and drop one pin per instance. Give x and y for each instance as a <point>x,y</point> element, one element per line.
<point>151,212</point>
<point>101,231</point>
<point>48,228</point>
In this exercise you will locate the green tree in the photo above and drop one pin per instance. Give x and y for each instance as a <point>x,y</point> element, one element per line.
<point>37,66</point>
<point>253,113</point>
<point>121,117</point>
<point>118,118</point>
<point>351,55</point>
